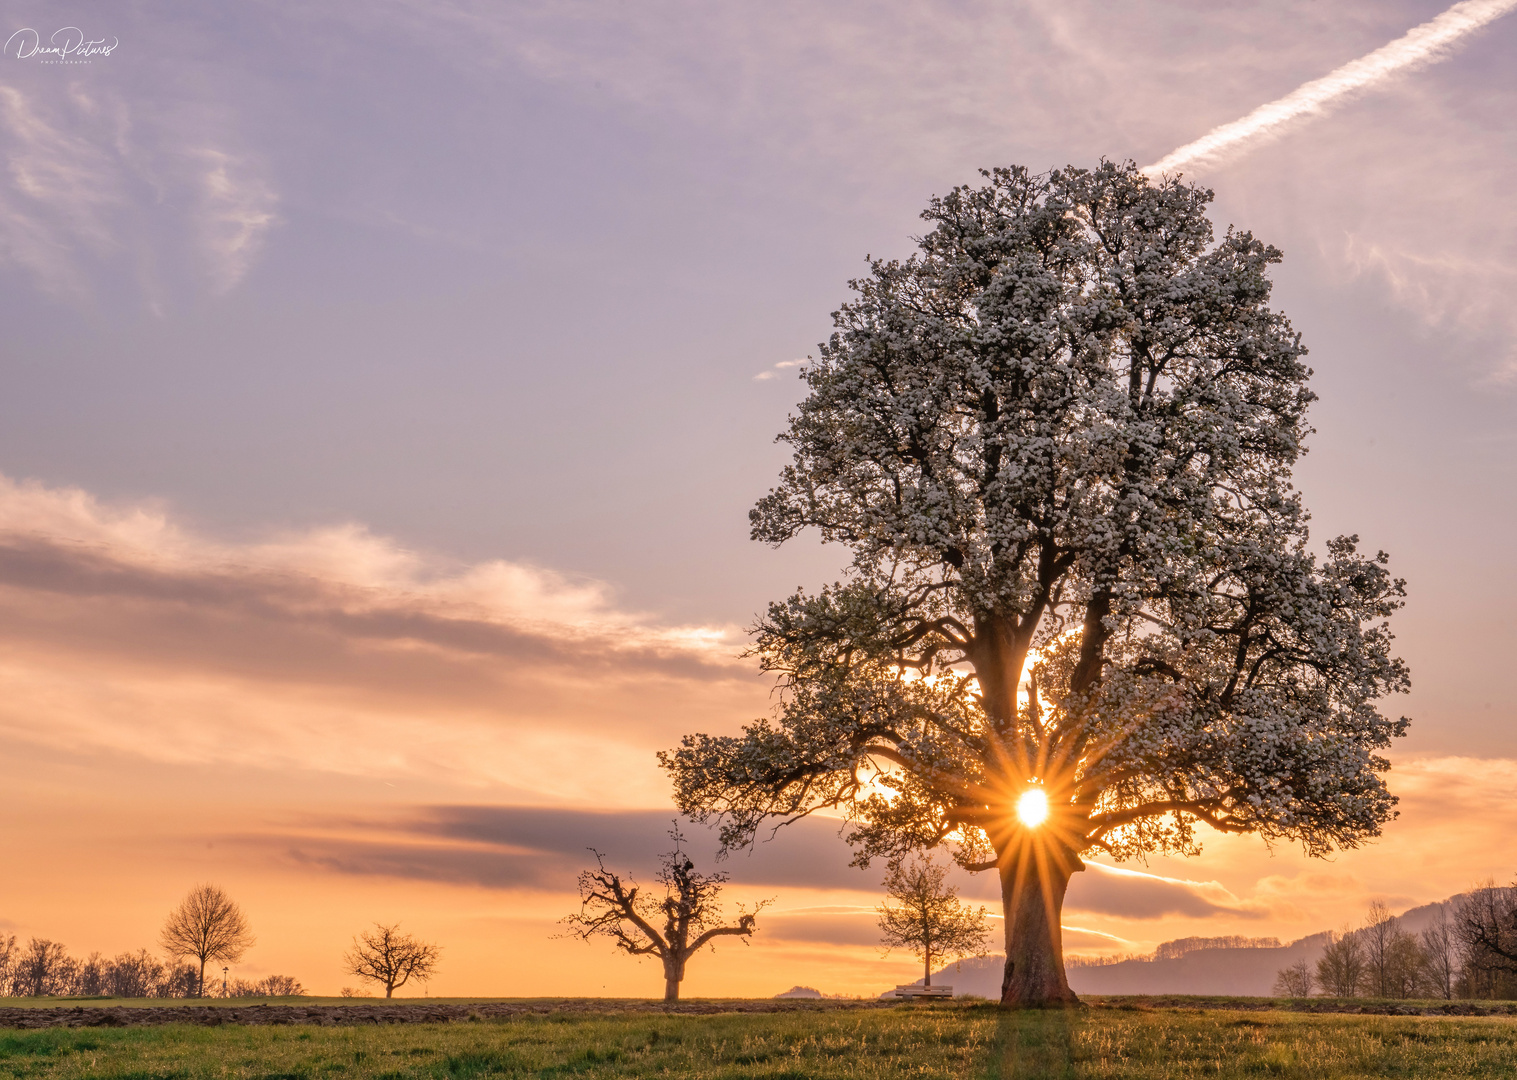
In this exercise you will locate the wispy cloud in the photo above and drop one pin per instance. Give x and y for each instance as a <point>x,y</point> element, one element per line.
<point>90,186</point>
<point>783,365</point>
<point>237,212</point>
<point>1461,287</point>
<point>58,193</point>
<point>1421,45</point>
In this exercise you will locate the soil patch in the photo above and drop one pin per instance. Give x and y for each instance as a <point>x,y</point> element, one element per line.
<point>408,1013</point>
<point>442,1013</point>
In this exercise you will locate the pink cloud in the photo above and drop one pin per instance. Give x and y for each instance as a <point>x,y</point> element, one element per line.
<point>338,650</point>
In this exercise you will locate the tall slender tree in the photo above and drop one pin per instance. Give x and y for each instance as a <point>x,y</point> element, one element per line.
<point>1440,944</point>
<point>1082,614</point>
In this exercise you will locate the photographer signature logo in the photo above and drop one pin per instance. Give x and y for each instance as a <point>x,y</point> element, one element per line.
<point>66,46</point>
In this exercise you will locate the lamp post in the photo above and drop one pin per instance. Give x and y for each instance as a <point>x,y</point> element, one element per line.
<point>223,983</point>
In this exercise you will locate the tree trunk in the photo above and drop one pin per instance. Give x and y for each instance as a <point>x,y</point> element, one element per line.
<point>389,989</point>
<point>1032,896</point>
<point>200,986</point>
<point>672,976</point>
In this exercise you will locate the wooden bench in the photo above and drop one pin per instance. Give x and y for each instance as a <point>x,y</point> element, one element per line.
<point>925,993</point>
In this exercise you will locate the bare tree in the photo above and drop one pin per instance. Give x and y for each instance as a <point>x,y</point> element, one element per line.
<point>1340,971</point>
<point>390,958</point>
<point>691,912</point>
<point>1379,936</point>
<point>42,970</point>
<point>1295,981</point>
<point>1485,924</point>
<point>136,975</point>
<point>1407,972</point>
<point>179,981</point>
<point>89,976</point>
<point>927,916</point>
<point>208,926</point>
<point>8,957</point>
<point>270,986</point>
<point>280,986</point>
<point>1396,966</point>
<point>1440,945</point>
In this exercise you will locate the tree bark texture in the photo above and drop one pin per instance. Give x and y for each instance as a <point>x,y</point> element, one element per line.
<point>673,974</point>
<point>1032,896</point>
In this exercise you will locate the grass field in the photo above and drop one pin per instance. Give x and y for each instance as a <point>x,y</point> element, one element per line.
<point>929,1041</point>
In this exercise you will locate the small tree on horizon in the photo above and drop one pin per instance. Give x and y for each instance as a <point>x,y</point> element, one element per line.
<point>391,958</point>
<point>208,926</point>
<point>690,912</point>
<point>1295,981</point>
<point>927,915</point>
<point>1057,443</point>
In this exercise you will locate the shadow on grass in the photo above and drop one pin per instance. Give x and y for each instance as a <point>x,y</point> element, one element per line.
<point>1033,1044</point>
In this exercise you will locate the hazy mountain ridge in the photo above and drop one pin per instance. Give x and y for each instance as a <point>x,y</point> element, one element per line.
<point>1243,972</point>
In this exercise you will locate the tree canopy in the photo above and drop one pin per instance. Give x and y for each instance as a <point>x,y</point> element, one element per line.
<point>386,956</point>
<point>209,926</point>
<point>1058,441</point>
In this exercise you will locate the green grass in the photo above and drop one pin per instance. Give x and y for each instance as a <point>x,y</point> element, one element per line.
<point>932,1041</point>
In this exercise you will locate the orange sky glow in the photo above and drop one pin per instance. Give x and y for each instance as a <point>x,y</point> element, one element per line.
<point>338,731</point>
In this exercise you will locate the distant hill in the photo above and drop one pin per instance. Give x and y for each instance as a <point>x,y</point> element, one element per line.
<point>1244,972</point>
<point>800,992</point>
<point>1248,972</point>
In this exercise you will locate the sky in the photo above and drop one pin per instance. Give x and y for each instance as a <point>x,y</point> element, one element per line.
<point>383,389</point>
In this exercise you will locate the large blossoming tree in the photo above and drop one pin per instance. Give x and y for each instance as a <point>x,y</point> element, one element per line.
<point>1082,615</point>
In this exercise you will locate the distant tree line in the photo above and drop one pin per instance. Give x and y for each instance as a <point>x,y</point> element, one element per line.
<point>1174,950</point>
<point>43,968</point>
<point>1468,950</point>
<point>206,927</point>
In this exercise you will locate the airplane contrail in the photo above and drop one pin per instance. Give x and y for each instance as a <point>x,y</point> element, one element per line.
<point>1420,45</point>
